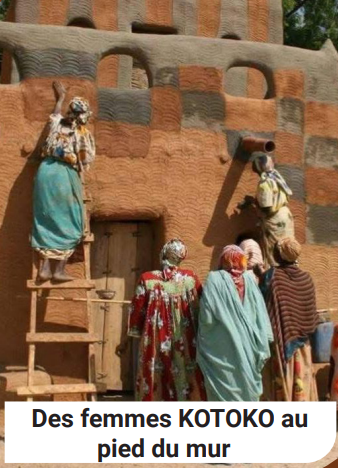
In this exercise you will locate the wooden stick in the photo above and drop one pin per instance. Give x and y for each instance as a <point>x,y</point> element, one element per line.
<point>77,299</point>
<point>82,299</point>
<point>280,365</point>
<point>62,388</point>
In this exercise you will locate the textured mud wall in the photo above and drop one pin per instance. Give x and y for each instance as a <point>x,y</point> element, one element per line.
<point>169,153</point>
<point>252,20</point>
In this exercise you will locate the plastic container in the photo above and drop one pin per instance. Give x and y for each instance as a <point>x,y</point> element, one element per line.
<point>321,342</point>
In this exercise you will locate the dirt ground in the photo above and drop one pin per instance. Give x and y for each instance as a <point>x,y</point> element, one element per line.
<point>331,457</point>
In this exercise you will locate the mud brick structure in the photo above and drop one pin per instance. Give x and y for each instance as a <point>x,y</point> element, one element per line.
<point>174,85</point>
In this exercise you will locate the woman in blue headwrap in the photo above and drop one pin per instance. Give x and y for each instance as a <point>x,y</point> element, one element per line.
<point>58,213</point>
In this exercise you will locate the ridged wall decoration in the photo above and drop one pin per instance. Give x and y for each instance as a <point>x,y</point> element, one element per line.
<point>80,9</point>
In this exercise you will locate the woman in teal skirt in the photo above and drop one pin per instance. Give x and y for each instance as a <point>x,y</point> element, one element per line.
<point>58,213</point>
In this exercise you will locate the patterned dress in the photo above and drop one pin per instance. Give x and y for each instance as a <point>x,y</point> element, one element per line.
<point>69,144</point>
<point>298,381</point>
<point>163,314</point>
<point>280,224</point>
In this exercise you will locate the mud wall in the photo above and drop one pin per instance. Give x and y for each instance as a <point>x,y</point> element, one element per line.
<point>252,20</point>
<point>170,152</point>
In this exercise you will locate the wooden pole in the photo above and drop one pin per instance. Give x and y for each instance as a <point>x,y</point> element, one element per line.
<point>82,299</point>
<point>78,299</point>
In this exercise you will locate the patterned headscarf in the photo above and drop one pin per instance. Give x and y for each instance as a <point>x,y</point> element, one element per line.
<point>289,249</point>
<point>79,108</point>
<point>266,168</point>
<point>233,260</point>
<point>173,253</point>
<point>253,252</point>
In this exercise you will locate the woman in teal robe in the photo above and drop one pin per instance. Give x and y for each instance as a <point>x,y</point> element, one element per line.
<point>234,331</point>
<point>58,212</point>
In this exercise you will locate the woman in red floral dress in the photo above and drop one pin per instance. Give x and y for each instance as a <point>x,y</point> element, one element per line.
<point>163,315</point>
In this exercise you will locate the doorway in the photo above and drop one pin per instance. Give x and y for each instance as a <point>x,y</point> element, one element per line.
<point>120,253</point>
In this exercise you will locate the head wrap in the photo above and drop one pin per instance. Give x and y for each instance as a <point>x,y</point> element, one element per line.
<point>172,253</point>
<point>80,109</point>
<point>266,168</point>
<point>253,252</point>
<point>289,249</point>
<point>233,260</point>
<point>263,162</point>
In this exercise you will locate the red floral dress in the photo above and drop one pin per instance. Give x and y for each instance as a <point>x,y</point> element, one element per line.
<point>164,315</point>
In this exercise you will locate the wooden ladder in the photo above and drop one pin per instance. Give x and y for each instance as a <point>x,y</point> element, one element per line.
<point>34,337</point>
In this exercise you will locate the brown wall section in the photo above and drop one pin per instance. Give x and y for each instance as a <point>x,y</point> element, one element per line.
<point>159,12</point>
<point>256,115</point>
<point>122,140</point>
<point>320,119</point>
<point>298,209</point>
<point>256,84</point>
<point>53,12</point>
<point>321,186</point>
<point>108,71</point>
<point>209,12</point>
<point>322,263</point>
<point>15,212</point>
<point>39,97</point>
<point>259,22</point>
<point>166,109</point>
<point>289,148</point>
<point>105,14</point>
<point>290,83</point>
<point>195,78</point>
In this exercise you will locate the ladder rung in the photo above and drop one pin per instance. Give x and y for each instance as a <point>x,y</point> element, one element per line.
<point>57,389</point>
<point>83,299</point>
<point>89,238</point>
<point>62,338</point>
<point>75,284</point>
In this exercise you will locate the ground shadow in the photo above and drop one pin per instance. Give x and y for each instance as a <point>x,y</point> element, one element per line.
<point>15,267</point>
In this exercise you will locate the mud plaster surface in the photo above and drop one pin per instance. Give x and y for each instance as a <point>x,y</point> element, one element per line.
<point>258,20</point>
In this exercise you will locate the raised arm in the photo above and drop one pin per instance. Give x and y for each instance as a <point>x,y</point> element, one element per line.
<point>60,92</point>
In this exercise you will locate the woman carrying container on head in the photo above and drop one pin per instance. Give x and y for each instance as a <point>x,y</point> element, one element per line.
<point>272,198</point>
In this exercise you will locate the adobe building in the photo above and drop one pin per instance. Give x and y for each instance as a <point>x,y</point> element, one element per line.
<point>174,85</point>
